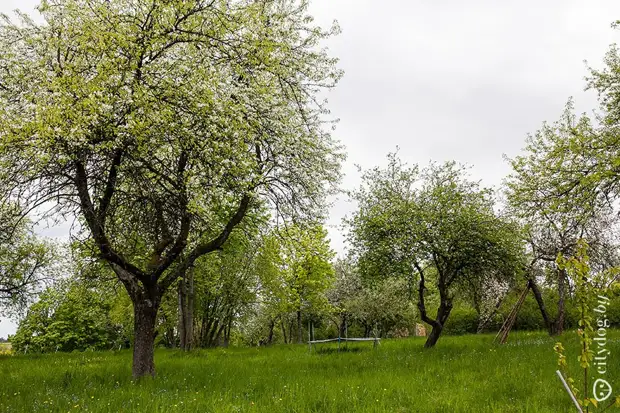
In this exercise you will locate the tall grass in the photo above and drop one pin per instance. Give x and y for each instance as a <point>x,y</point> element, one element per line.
<point>462,374</point>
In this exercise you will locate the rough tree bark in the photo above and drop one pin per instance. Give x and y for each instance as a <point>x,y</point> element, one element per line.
<point>145,313</point>
<point>146,299</point>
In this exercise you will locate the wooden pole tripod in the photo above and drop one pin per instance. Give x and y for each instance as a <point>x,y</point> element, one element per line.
<point>502,335</point>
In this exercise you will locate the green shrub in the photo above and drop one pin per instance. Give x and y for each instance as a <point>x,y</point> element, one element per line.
<point>68,317</point>
<point>528,317</point>
<point>462,321</point>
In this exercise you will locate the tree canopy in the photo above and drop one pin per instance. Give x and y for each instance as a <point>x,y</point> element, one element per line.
<point>165,122</point>
<point>435,226</point>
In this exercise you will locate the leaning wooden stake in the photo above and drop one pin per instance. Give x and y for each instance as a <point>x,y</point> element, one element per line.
<point>512,317</point>
<point>568,390</point>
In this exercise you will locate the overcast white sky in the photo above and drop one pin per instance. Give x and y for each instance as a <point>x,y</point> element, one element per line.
<point>449,79</point>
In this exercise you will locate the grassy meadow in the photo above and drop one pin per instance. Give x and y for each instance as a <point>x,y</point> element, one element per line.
<point>462,374</point>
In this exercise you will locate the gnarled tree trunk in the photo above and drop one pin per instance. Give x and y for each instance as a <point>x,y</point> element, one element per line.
<point>443,312</point>
<point>146,299</point>
<point>433,337</point>
<point>145,316</point>
<point>438,324</point>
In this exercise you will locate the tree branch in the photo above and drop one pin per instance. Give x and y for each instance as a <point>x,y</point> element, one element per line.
<point>110,187</point>
<point>96,228</point>
<point>421,303</point>
<point>210,246</point>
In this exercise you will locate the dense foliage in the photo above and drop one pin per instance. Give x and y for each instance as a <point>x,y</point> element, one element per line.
<point>70,316</point>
